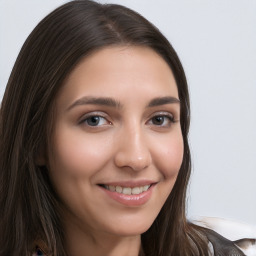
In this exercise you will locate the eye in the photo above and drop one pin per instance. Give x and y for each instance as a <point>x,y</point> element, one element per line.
<point>95,120</point>
<point>164,120</point>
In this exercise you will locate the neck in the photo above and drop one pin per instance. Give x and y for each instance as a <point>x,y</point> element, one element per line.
<point>81,242</point>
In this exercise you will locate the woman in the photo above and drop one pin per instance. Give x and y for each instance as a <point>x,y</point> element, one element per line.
<point>94,152</point>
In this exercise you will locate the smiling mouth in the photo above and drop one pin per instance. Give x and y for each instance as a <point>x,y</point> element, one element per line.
<point>127,190</point>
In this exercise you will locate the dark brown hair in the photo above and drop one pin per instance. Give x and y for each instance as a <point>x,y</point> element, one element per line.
<point>28,203</point>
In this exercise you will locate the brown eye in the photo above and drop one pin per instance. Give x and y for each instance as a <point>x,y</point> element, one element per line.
<point>162,120</point>
<point>158,120</point>
<point>94,120</point>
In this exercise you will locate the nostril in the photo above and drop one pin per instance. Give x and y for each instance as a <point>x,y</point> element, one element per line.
<point>132,155</point>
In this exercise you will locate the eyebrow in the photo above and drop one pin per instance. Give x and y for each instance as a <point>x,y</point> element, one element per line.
<point>104,101</point>
<point>110,102</point>
<point>162,101</point>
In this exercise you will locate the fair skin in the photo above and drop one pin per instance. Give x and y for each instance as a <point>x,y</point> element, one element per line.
<point>116,131</point>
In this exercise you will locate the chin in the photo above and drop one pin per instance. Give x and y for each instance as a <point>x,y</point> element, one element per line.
<point>130,228</point>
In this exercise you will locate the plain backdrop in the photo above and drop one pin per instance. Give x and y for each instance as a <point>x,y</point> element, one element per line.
<point>216,41</point>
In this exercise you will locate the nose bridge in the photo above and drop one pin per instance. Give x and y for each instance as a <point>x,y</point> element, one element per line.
<point>133,149</point>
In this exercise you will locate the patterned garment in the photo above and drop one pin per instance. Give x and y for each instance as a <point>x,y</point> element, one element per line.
<point>221,246</point>
<point>227,233</point>
<point>39,252</point>
<point>41,249</point>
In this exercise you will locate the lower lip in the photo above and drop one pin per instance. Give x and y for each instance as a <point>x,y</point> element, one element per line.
<point>130,200</point>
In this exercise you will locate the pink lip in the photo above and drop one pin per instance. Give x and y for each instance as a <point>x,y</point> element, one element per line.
<point>130,200</point>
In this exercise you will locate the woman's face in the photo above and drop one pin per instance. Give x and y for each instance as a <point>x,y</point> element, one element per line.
<point>117,144</point>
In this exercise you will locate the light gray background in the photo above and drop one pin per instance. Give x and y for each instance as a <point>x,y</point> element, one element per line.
<point>216,41</point>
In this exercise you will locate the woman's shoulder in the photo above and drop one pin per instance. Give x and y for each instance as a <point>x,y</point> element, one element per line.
<point>229,237</point>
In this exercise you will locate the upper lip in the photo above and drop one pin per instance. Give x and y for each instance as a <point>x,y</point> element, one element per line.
<point>130,184</point>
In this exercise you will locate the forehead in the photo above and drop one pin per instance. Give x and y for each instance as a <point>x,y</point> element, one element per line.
<point>120,72</point>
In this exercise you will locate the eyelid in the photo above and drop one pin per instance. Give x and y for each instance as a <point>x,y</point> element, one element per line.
<point>167,124</point>
<point>163,113</point>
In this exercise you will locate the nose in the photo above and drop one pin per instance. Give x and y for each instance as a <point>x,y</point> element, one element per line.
<point>132,150</point>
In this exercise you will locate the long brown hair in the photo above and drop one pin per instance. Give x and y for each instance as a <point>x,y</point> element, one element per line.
<point>28,203</point>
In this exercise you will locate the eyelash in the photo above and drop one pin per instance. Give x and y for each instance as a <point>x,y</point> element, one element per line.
<point>100,116</point>
<point>170,118</point>
<point>87,117</point>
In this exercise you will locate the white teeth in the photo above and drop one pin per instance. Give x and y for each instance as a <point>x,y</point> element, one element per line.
<point>112,188</point>
<point>128,190</point>
<point>145,188</point>
<point>119,189</point>
<point>136,191</point>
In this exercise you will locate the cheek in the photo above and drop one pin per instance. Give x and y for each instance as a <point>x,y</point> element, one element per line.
<point>78,155</point>
<point>169,154</point>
